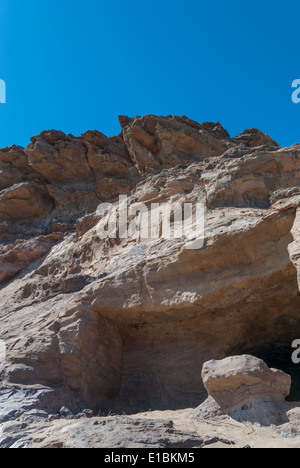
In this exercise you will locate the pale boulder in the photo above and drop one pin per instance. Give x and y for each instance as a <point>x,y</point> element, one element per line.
<point>244,388</point>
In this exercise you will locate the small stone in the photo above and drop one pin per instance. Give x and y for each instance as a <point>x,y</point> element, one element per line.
<point>54,417</point>
<point>65,412</point>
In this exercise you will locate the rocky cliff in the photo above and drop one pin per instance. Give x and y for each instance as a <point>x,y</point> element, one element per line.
<point>126,325</point>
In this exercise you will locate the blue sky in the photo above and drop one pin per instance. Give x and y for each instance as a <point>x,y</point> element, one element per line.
<point>75,66</point>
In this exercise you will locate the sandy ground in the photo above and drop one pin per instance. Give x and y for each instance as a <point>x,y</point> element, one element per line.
<point>242,434</point>
<point>86,433</point>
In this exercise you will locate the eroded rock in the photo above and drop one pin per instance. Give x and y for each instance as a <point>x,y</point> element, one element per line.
<point>244,388</point>
<point>126,324</point>
<point>25,201</point>
<point>155,143</point>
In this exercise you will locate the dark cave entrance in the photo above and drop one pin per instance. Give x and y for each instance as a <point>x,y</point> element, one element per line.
<point>280,357</point>
<point>268,327</point>
<point>154,360</point>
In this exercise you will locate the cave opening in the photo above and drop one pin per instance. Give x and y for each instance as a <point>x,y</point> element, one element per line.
<point>154,360</point>
<point>270,326</point>
<point>280,357</point>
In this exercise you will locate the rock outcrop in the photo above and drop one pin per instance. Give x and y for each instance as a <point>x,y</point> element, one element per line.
<point>113,432</point>
<point>125,325</point>
<point>244,388</point>
<point>156,143</point>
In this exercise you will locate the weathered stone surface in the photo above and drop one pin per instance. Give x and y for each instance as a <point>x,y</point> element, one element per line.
<point>155,143</point>
<point>238,373</point>
<point>14,168</point>
<point>294,247</point>
<point>126,324</point>
<point>292,427</point>
<point>16,402</point>
<point>25,201</point>
<point>74,174</point>
<point>284,194</point>
<point>16,257</point>
<point>113,432</point>
<point>251,179</point>
<point>254,138</point>
<point>59,158</point>
<point>244,388</point>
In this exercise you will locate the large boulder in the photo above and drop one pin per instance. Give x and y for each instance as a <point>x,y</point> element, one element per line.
<point>244,388</point>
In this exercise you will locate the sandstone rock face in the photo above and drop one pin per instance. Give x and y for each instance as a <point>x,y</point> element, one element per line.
<point>294,247</point>
<point>125,325</point>
<point>156,143</point>
<point>244,388</point>
<point>25,201</point>
<point>59,174</point>
<point>254,137</point>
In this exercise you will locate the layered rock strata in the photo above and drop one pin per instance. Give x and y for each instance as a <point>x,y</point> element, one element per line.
<point>126,325</point>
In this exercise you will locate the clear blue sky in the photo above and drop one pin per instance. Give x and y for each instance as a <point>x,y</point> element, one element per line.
<point>76,65</point>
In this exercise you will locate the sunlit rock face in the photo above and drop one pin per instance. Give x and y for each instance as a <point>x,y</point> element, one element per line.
<point>127,324</point>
